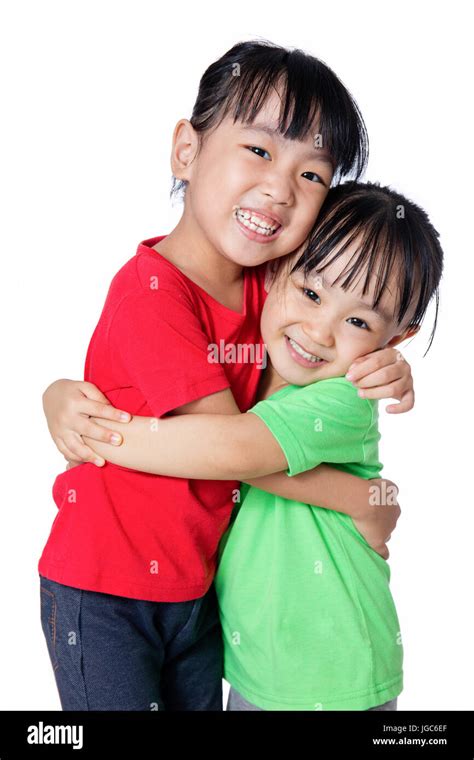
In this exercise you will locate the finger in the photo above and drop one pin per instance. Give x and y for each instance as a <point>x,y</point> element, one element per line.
<point>383,551</point>
<point>383,391</point>
<point>383,376</point>
<point>65,451</point>
<point>93,428</point>
<point>406,404</point>
<point>72,464</point>
<point>104,411</point>
<point>390,483</point>
<point>81,452</point>
<point>91,391</point>
<point>364,365</point>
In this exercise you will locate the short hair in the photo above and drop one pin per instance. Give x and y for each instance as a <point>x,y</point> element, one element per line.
<point>392,231</point>
<point>240,83</point>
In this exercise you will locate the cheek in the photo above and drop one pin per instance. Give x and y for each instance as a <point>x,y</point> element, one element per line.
<point>319,202</point>
<point>269,317</point>
<point>355,345</point>
<point>216,177</point>
<point>212,199</point>
<point>307,215</point>
<point>266,327</point>
<point>273,314</point>
<point>239,172</point>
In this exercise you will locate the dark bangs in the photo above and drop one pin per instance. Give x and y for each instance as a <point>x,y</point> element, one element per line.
<point>393,234</point>
<point>240,82</point>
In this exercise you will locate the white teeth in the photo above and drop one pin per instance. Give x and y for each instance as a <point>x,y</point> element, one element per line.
<point>256,220</point>
<point>304,353</point>
<point>255,223</point>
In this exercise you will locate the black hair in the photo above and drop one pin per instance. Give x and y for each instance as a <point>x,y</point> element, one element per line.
<point>391,231</point>
<point>240,83</point>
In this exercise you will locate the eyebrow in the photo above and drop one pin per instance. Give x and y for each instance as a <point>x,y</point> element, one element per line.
<point>315,152</point>
<point>379,310</point>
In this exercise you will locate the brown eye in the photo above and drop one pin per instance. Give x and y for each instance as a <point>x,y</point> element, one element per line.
<point>254,149</point>
<point>318,180</point>
<point>361,324</point>
<point>311,294</point>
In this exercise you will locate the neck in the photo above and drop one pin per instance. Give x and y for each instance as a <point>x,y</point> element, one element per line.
<point>189,249</point>
<point>270,383</point>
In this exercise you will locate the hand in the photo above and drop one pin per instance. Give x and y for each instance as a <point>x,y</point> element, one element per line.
<point>68,405</point>
<point>379,521</point>
<point>384,374</point>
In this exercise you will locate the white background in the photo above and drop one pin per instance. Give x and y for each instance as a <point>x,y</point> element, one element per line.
<point>90,94</point>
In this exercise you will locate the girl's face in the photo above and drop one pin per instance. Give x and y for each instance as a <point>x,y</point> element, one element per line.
<point>314,330</point>
<point>246,176</point>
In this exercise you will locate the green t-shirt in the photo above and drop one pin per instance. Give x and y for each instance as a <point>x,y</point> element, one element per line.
<point>308,619</point>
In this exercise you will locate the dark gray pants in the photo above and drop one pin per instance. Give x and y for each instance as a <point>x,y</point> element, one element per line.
<point>110,652</point>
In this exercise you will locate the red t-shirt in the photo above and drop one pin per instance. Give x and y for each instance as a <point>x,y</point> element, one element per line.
<point>160,343</point>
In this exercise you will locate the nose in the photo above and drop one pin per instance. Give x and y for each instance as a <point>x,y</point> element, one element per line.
<point>278,187</point>
<point>319,332</point>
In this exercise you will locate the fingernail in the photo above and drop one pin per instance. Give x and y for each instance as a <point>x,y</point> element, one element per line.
<point>349,375</point>
<point>99,462</point>
<point>115,438</point>
<point>124,416</point>
<point>361,393</point>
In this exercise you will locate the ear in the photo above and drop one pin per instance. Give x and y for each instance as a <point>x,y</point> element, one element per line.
<point>184,148</point>
<point>402,336</point>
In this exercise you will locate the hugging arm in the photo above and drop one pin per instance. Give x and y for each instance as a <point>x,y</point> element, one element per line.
<point>76,410</point>
<point>70,405</point>
<point>201,446</point>
<point>230,447</point>
<point>81,421</point>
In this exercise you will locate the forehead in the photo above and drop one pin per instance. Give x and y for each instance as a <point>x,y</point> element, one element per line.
<point>334,273</point>
<point>266,123</point>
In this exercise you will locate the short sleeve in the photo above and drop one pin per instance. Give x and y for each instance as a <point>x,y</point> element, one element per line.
<point>159,342</point>
<point>323,422</point>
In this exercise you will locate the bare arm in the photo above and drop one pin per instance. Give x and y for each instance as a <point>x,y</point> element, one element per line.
<point>375,518</point>
<point>72,406</point>
<point>203,446</point>
<point>323,486</point>
<point>206,450</point>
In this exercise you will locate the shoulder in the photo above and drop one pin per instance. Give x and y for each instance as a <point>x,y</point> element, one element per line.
<point>341,394</point>
<point>148,283</point>
<point>334,394</point>
<point>336,387</point>
<point>146,273</point>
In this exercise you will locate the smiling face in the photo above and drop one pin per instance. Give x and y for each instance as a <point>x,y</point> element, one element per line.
<point>252,194</point>
<point>314,330</point>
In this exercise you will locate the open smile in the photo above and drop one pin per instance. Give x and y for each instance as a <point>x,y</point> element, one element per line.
<point>301,356</point>
<point>256,225</point>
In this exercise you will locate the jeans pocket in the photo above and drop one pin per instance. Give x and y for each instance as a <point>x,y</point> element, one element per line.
<point>49,621</point>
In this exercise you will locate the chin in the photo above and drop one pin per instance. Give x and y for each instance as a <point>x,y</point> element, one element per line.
<point>294,377</point>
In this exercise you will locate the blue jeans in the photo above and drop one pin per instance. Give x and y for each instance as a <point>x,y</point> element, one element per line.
<point>113,653</point>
